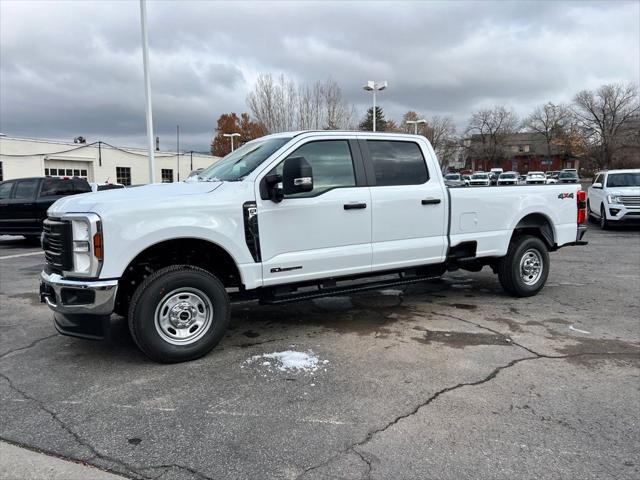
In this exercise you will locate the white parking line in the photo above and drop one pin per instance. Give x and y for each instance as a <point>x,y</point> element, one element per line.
<point>21,255</point>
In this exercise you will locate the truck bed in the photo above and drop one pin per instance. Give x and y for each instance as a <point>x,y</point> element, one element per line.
<point>488,215</point>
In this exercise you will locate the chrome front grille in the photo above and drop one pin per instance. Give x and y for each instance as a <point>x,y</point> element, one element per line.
<point>630,201</point>
<point>56,242</point>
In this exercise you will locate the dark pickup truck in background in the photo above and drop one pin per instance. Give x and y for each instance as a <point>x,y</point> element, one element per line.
<point>24,202</point>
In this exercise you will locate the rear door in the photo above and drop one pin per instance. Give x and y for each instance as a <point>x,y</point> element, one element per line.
<point>408,205</point>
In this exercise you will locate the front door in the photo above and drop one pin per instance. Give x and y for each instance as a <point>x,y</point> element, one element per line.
<point>22,217</point>
<point>409,222</point>
<point>322,233</point>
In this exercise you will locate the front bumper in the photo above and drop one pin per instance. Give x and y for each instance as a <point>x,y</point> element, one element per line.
<point>81,308</point>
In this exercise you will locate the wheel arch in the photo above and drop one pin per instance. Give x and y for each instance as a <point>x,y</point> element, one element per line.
<point>177,251</point>
<point>539,225</point>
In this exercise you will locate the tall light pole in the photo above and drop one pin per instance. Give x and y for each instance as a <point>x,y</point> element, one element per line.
<point>373,86</point>
<point>147,90</point>
<point>415,123</point>
<point>231,135</point>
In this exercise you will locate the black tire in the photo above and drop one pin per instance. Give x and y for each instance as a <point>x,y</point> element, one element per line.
<point>510,273</point>
<point>604,224</point>
<point>144,312</point>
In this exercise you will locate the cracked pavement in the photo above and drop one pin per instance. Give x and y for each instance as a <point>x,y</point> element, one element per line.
<point>446,379</point>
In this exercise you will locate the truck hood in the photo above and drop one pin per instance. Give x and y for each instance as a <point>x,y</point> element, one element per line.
<point>100,202</point>
<point>624,191</point>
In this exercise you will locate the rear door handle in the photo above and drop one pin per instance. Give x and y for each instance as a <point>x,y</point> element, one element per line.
<point>354,206</point>
<point>431,201</point>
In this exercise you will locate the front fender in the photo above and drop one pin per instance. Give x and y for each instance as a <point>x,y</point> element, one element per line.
<point>123,241</point>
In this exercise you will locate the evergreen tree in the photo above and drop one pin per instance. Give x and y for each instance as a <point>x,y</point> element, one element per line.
<point>381,121</point>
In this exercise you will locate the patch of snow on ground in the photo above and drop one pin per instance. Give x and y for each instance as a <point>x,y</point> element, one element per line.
<point>289,361</point>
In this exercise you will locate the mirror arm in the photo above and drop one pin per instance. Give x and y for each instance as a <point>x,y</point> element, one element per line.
<point>275,194</point>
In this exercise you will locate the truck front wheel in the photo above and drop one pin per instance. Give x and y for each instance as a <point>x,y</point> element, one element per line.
<point>524,270</point>
<point>179,313</point>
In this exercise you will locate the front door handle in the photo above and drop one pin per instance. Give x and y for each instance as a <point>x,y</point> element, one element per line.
<point>431,201</point>
<point>354,206</point>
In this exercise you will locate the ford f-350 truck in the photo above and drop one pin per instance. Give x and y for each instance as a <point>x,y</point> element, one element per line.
<point>287,217</point>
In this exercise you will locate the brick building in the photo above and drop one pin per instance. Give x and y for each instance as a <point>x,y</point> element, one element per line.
<point>520,152</point>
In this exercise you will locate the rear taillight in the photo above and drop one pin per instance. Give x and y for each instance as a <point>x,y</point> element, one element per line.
<point>582,206</point>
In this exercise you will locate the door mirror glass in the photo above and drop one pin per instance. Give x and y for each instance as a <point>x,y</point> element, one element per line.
<point>597,185</point>
<point>297,176</point>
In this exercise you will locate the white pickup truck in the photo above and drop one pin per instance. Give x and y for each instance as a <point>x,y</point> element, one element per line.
<point>287,217</point>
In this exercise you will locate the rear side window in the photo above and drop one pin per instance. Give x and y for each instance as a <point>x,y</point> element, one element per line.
<point>397,163</point>
<point>56,186</point>
<point>5,190</point>
<point>26,189</point>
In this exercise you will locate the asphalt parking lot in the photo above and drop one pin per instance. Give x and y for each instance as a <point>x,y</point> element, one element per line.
<point>449,379</point>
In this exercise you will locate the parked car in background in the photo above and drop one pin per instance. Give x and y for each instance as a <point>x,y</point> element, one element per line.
<point>466,179</point>
<point>570,170</point>
<point>24,202</point>
<point>614,197</point>
<point>535,178</point>
<point>98,187</point>
<point>552,178</point>
<point>454,180</point>
<point>508,178</point>
<point>522,179</point>
<point>480,179</point>
<point>568,177</point>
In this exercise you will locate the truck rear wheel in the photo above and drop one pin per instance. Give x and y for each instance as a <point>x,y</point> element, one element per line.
<point>179,313</point>
<point>524,270</point>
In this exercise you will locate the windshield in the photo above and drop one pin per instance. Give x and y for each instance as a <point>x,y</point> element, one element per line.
<point>536,174</point>
<point>241,162</point>
<point>568,175</point>
<point>630,179</point>
<point>508,175</point>
<point>452,176</point>
<point>479,176</point>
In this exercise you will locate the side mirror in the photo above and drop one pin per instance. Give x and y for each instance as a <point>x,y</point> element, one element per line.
<point>297,176</point>
<point>597,185</point>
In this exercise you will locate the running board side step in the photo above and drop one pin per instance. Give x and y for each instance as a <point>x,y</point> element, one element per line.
<point>323,291</point>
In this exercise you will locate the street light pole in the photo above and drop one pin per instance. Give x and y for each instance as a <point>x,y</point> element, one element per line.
<point>372,86</point>
<point>147,89</point>
<point>415,124</point>
<point>231,135</point>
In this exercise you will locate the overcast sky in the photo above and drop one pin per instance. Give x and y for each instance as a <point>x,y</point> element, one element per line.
<point>75,68</point>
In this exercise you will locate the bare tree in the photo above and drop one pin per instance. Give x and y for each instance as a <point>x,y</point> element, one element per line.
<point>604,115</point>
<point>283,106</point>
<point>551,121</point>
<point>439,131</point>
<point>488,128</point>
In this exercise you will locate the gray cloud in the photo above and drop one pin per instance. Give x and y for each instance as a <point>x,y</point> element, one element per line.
<point>74,68</point>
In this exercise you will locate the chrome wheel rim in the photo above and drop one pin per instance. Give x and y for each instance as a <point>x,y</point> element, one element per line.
<point>531,267</point>
<point>183,316</point>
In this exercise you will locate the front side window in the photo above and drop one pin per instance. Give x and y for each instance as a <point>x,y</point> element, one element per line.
<point>331,163</point>
<point>397,163</point>
<point>123,175</point>
<point>26,189</point>
<point>167,175</point>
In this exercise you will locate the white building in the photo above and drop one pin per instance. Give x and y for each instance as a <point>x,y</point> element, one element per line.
<point>97,162</point>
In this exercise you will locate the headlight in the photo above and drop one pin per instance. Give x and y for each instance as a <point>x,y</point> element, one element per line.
<point>614,199</point>
<point>86,248</point>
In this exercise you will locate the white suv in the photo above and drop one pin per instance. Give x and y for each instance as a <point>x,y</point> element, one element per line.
<point>614,197</point>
